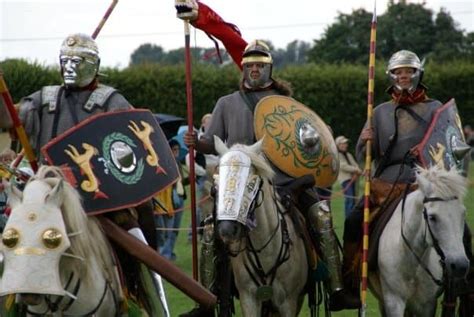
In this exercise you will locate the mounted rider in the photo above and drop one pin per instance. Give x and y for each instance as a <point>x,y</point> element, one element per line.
<point>49,112</point>
<point>233,122</point>
<point>399,128</point>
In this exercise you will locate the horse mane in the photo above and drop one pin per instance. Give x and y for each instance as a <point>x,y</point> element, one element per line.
<point>262,166</point>
<point>87,238</point>
<point>439,182</point>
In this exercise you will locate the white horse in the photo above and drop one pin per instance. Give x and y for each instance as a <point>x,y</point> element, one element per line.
<point>57,259</point>
<point>268,257</point>
<point>429,225</point>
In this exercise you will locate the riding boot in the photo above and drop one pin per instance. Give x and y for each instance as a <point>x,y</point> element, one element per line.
<point>350,269</point>
<point>339,298</point>
<point>155,277</point>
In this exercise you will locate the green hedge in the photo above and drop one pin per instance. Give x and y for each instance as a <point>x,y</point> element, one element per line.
<point>338,93</point>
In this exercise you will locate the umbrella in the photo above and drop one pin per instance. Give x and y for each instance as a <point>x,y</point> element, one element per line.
<point>169,123</point>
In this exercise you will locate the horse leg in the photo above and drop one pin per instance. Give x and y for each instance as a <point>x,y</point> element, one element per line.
<point>394,306</point>
<point>424,309</point>
<point>249,305</point>
<point>288,308</point>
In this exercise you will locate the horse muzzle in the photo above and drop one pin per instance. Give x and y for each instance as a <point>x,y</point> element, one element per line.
<point>229,231</point>
<point>457,267</point>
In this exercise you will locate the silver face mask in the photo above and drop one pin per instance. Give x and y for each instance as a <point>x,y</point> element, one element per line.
<point>79,60</point>
<point>401,59</point>
<point>77,72</point>
<point>262,81</point>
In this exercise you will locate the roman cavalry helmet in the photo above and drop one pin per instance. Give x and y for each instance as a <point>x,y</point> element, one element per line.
<point>401,59</point>
<point>257,51</point>
<point>79,60</point>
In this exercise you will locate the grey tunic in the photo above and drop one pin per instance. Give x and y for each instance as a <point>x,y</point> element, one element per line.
<point>38,119</point>
<point>232,121</point>
<point>410,133</point>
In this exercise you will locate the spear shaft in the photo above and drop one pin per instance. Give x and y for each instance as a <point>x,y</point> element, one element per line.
<point>192,177</point>
<point>20,131</point>
<point>368,161</point>
<point>104,19</point>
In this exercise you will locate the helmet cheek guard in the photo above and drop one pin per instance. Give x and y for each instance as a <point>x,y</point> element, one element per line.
<point>257,52</point>
<point>401,59</point>
<point>264,80</point>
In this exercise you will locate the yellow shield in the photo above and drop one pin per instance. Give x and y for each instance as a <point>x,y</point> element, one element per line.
<point>296,139</point>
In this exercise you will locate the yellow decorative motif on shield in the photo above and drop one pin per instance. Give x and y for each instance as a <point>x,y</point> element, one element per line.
<point>83,160</point>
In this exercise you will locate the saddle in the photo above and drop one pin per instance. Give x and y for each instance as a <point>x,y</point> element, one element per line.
<point>289,193</point>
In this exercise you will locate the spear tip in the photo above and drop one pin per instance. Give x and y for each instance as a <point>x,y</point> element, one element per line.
<point>374,16</point>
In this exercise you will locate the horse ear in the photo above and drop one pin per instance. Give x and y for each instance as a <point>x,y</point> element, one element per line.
<point>423,183</point>
<point>221,148</point>
<point>55,196</point>
<point>15,196</point>
<point>256,148</point>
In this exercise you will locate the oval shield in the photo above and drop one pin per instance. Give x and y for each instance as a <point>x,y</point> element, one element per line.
<point>296,139</point>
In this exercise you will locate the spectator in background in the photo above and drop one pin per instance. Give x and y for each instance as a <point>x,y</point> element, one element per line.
<point>162,205</point>
<point>201,176</point>
<point>6,157</point>
<point>349,171</point>
<point>205,120</point>
<point>212,161</point>
<point>172,220</point>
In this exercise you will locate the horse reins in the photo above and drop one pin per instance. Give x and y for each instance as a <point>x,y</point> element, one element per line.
<point>54,306</point>
<point>436,246</point>
<point>283,254</point>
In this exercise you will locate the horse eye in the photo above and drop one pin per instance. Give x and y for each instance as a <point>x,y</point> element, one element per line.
<point>52,238</point>
<point>432,218</point>
<point>10,238</point>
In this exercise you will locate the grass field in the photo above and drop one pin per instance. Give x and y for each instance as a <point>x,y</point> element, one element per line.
<point>180,303</point>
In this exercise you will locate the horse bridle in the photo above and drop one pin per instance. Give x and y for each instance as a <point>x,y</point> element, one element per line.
<point>53,306</point>
<point>436,245</point>
<point>283,254</point>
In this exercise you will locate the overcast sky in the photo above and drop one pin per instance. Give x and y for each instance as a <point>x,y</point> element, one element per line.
<point>35,29</point>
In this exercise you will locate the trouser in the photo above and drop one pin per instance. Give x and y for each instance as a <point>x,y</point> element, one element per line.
<point>353,224</point>
<point>349,187</point>
<point>172,224</point>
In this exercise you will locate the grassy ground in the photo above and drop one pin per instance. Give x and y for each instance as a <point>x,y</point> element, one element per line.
<point>180,303</point>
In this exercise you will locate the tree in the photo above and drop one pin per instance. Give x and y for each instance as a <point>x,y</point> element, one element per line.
<point>403,26</point>
<point>147,53</point>
<point>347,40</point>
<point>450,40</point>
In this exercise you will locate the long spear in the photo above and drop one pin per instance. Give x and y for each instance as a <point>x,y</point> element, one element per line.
<point>189,103</point>
<point>104,19</point>
<point>20,131</point>
<point>368,161</point>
